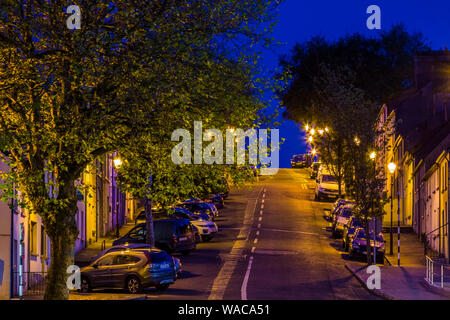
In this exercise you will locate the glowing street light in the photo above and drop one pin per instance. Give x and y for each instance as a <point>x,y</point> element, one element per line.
<point>310,139</point>
<point>321,132</point>
<point>326,129</point>
<point>307,128</point>
<point>373,155</point>
<point>313,131</point>
<point>314,152</point>
<point>117,163</point>
<point>357,141</point>
<point>392,167</point>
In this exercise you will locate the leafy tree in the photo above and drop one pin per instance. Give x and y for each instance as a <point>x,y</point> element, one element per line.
<point>69,96</point>
<point>383,66</point>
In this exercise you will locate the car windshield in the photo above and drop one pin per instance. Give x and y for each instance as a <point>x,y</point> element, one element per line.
<point>328,178</point>
<point>298,158</point>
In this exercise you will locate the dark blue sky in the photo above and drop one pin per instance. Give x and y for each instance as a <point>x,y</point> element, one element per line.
<point>299,20</point>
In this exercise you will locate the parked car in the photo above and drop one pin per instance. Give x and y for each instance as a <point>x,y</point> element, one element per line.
<point>171,235</point>
<point>206,228</point>
<point>130,269</point>
<point>337,206</point>
<point>198,208</point>
<point>314,170</point>
<point>217,200</point>
<point>349,231</point>
<point>358,245</point>
<point>327,187</point>
<point>300,161</point>
<point>342,219</point>
<point>121,247</point>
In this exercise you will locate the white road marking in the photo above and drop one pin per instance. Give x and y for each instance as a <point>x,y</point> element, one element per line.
<point>255,241</point>
<point>253,249</point>
<point>257,233</point>
<point>260,212</point>
<point>260,219</point>
<point>262,201</point>
<point>222,279</point>
<point>245,282</point>
<point>262,206</point>
<point>259,225</point>
<point>292,231</point>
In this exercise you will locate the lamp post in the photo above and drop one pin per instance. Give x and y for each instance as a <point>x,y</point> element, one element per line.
<point>392,167</point>
<point>117,164</point>
<point>372,157</point>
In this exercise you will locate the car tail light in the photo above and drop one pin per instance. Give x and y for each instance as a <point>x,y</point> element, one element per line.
<point>149,260</point>
<point>175,239</point>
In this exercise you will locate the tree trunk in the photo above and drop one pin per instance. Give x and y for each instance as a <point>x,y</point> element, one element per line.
<point>62,246</point>
<point>61,227</point>
<point>150,237</point>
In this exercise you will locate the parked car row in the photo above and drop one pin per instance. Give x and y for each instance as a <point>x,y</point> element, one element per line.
<point>345,225</point>
<point>134,265</point>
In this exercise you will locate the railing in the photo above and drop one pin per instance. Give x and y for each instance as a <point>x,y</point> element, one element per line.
<point>29,284</point>
<point>437,272</point>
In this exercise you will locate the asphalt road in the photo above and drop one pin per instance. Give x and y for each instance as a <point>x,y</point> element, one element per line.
<point>273,243</point>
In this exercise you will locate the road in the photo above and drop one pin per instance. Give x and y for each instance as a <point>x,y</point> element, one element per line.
<point>273,244</point>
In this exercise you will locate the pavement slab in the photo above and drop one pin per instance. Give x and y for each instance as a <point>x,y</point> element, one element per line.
<point>397,283</point>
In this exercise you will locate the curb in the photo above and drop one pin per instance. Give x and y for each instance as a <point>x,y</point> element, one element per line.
<point>443,292</point>
<point>377,293</point>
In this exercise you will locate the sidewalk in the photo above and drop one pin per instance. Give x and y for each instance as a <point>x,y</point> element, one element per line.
<point>405,282</point>
<point>83,257</point>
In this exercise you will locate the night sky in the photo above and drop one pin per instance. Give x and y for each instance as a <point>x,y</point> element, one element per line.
<point>299,20</point>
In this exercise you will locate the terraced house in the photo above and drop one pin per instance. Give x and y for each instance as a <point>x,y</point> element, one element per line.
<point>416,132</point>
<point>24,246</point>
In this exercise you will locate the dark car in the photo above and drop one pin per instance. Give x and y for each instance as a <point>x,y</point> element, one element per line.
<point>341,220</point>
<point>130,269</point>
<point>337,206</point>
<point>198,208</point>
<point>349,231</point>
<point>300,161</point>
<point>171,235</point>
<point>358,245</point>
<point>217,200</point>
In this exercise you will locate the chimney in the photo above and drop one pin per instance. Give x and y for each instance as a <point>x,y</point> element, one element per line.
<point>431,66</point>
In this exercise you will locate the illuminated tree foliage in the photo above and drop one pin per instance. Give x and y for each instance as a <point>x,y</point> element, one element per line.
<point>133,72</point>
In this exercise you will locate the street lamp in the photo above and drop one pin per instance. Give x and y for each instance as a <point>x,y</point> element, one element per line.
<point>321,132</point>
<point>117,164</point>
<point>372,157</point>
<point>326,129</point>
<point>310,139</point>
<point>392,167</point>
<point>313,131</point>
<point>307,128</point>
<point>357,141</point>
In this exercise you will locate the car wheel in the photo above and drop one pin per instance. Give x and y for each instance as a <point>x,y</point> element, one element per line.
<point>134,285</point>
<point>162,287</point>
<point>85,286</point>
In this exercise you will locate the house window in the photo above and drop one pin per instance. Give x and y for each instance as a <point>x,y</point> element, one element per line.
<point>33,238</point>
<point>43,243</point>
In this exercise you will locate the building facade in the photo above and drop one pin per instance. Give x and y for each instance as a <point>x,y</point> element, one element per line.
<point>24,245</point>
